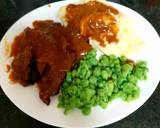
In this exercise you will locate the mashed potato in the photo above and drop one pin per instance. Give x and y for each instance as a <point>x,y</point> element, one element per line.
<point>129,42</point>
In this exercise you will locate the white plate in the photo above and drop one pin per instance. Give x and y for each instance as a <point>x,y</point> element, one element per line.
<point>27,99</point>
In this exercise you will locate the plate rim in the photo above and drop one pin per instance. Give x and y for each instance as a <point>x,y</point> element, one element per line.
<point>113,121</point>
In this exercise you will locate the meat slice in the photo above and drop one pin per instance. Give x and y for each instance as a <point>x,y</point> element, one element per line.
<point>21,65</point>
<point>44,54</point>
<point>50,84</point>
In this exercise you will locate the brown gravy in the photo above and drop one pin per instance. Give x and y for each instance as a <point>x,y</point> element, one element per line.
<point>93,19</point>
<point>45,53</point>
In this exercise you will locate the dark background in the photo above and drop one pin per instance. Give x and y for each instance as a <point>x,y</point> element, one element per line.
<point>148,116</point>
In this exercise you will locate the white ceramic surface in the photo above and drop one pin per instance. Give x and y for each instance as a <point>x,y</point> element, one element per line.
<point>27,99</point>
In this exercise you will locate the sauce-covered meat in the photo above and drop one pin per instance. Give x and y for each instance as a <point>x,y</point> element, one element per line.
<point>44,54</point>
<point>93,19</point>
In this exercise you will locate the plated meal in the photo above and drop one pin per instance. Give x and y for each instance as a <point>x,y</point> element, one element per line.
<point>88,56</point>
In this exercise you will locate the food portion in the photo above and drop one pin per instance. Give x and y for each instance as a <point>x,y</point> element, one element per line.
<point>95,82</point>
<point>129,42</point>
<point>94,20</point>
<point>43,54</point>
<point>107,29</point>
<point>56,56</point>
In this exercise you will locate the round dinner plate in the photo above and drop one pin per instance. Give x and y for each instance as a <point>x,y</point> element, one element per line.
<point>27,99</point>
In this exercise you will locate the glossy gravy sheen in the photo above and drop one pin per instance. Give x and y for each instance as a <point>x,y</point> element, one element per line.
<point>93,19</point>
<point>44,54</point>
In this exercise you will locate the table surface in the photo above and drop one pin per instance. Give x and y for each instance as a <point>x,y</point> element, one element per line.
<point>147,116</point>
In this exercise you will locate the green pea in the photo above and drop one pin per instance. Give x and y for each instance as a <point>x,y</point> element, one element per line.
<point>98,82</point>
<point>132,78</point>
<point>84,83</point>
<point>141,64</point>
<point>74,73</point>
<point>86,110</point>
<point>104,74</point>
<point>104,61</point>
<point>123,59</point>
<point>88,73</point>
<point>97,71</point>
<point>110,87</point>
<point>69,77</point>
<point>72,90</point>
<point>103,104</point>
<point>93,80</point>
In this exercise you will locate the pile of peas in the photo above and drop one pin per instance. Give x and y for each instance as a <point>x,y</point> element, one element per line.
<point>95,82</point>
